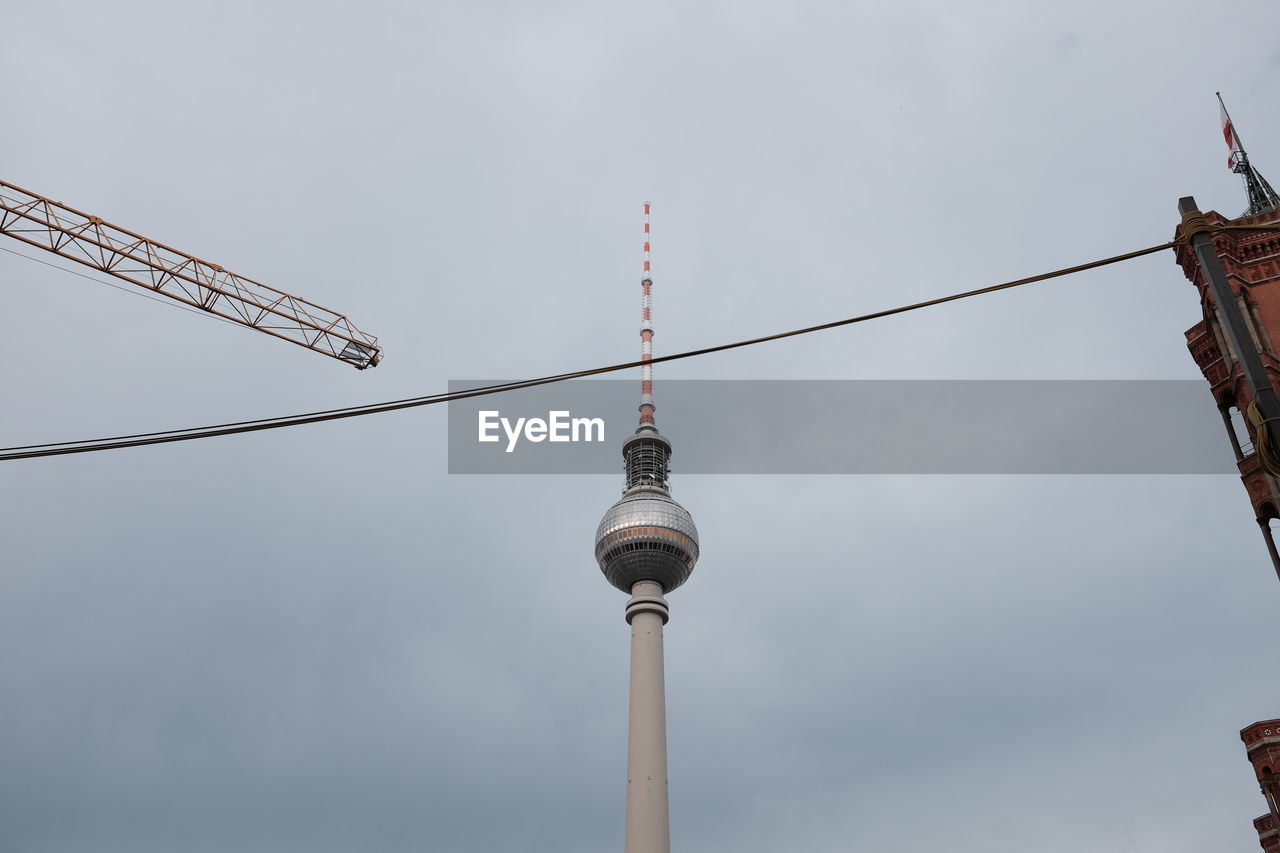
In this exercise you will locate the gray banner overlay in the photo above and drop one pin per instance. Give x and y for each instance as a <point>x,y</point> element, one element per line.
<point>850,427</point>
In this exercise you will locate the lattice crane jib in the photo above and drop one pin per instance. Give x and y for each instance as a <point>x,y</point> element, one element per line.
<point>88,240</point>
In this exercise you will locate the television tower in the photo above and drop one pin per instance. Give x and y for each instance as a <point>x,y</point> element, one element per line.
<point>646,545</point>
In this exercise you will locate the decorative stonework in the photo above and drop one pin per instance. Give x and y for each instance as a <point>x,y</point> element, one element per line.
<point>1255,734</point>
<point>1268,837</point>
<point>1258,492</point>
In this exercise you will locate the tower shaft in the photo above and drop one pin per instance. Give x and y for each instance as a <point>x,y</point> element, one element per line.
<point>648,821</point>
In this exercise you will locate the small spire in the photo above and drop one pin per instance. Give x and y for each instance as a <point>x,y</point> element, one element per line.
<point>1261,197</point>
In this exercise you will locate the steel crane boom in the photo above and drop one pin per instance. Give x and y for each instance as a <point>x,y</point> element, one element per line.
<point>88,240</point>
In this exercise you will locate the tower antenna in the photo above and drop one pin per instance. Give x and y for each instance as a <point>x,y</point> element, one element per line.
<point>1261,197</point>
<point>646,333</point>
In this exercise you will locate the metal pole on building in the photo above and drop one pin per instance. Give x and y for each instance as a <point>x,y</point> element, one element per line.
<point>1233,322</point>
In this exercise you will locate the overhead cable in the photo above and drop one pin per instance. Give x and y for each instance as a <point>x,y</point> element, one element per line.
<point>32,451</point>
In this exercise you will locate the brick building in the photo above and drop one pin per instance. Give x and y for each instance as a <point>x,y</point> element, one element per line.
<point>1251,260</point>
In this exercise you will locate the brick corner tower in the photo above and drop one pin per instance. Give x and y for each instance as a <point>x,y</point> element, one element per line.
<point>1251,261</point>
<point>1262,746</point>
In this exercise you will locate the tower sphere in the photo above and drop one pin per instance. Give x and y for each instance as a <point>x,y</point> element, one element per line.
<point>647,536</point>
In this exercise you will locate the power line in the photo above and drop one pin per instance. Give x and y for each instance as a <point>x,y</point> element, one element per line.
<point>32,451</point>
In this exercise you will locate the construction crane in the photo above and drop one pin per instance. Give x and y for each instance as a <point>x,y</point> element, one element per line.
<point>86,239</point>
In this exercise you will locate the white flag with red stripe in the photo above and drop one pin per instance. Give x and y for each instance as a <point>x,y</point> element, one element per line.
<point>1228,133</point>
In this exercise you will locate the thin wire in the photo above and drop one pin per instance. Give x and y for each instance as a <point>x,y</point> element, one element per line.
<point>133,291</point>
<point>32,451</point>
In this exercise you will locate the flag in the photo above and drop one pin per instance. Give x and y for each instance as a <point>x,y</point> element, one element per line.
<point>1228,133</point>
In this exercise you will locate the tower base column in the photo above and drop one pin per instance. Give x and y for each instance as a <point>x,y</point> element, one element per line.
<point>648,821</point>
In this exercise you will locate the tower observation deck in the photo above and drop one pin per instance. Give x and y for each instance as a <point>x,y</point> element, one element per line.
<point>646,546</point>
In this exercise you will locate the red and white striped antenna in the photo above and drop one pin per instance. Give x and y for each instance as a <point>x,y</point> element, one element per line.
<point>646,332</point>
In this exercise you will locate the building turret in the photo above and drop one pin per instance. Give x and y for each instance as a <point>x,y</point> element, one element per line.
<point>1262,747</point>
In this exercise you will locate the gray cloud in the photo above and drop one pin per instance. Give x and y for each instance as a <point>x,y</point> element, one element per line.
<point>318,639</point>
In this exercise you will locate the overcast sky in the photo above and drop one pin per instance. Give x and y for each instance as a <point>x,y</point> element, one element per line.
<point>319,640</point>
